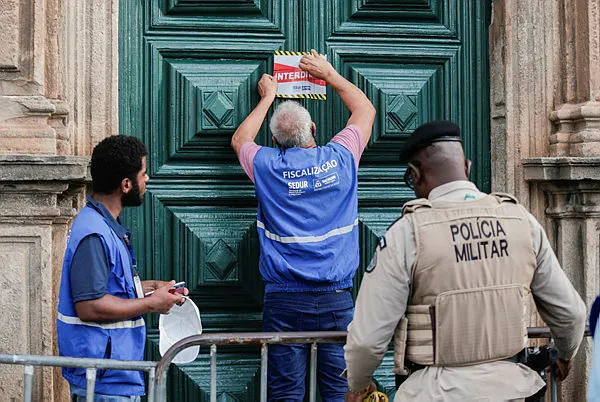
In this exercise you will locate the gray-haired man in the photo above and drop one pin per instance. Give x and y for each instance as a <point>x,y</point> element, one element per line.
<point>307,226</point>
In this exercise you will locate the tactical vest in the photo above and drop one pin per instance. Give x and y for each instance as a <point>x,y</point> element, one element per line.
<point>470,282</point>
<point>120,340</point>
<point>307,218</point>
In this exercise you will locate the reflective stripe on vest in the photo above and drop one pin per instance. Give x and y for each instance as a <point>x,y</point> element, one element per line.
<point>121,340</point>
<point>113,325</point>
<point>307,217</point>
<point>307,239</point>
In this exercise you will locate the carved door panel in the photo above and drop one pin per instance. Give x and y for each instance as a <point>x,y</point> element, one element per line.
<point>189,70</point>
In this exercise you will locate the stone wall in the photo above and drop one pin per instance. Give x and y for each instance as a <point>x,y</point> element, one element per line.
<point>58,97</point>
<point>545,105</point>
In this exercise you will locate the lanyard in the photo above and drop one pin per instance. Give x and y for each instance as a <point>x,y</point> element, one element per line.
<point>131,253</point>
<point>139,292</point>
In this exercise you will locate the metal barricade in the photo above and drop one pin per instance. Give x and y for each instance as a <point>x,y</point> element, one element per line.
<point>247,338</point>
<point>157,371</point>
<point>91,366</point>
<point>264,339</point>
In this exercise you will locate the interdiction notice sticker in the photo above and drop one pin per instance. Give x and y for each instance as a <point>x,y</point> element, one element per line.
<point>293,82</point>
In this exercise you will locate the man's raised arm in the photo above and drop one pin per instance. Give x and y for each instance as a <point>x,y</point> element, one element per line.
<point>267,88</point>
<point>360,107</point>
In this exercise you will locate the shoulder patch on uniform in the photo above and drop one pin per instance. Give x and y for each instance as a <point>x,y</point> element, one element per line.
<point>503,197</point>
<point>413,205</point>
<point>382,243</point>
<point>372,264</point>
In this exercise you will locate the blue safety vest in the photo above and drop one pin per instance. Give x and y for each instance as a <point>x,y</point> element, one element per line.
<point>307,217</point>
<point>122,340</point>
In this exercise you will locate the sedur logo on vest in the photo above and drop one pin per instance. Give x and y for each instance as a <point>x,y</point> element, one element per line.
<point>477,240</point>
<point>300,187</point>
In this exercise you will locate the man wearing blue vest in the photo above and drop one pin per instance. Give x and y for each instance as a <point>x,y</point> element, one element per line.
<point>101,298</point>
<point>307,226</point>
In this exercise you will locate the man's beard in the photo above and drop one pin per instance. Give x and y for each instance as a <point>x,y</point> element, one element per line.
<point>133,198</point>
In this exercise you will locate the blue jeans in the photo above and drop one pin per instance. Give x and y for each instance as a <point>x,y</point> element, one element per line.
<point>78,395</point>
<point>306,311</point>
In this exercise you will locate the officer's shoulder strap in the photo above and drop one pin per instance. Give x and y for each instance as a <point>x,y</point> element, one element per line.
<point>413,205</point>
<point>503,197</point>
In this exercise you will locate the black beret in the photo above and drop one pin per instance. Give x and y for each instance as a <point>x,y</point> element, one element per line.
<point>428,133</point>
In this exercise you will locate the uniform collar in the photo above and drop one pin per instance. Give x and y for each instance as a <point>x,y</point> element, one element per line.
<point>115,224</point>
<point>451,187</point>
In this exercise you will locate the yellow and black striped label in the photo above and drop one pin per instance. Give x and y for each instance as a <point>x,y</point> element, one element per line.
<point>288,53</point>
<point>306,96</point>
<point>297,96</point>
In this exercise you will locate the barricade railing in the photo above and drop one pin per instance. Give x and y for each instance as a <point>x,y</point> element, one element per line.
<point>269,338</point>
<point>157,371</point>
<point>247,338</point>
<point>91,366</point>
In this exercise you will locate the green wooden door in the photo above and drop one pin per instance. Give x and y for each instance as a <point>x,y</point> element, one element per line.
<point>189,70</point>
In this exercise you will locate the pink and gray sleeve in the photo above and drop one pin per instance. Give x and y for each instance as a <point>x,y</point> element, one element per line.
<point>247,154</point>
<point>351,139</point>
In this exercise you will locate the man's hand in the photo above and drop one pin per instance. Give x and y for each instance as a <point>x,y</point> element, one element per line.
<point>316,65</point>
<point>151,285</point>
<point>356,397</point>
<point>161,301</point>
<point>362,112</point>
<point>562,368</point>
<point>267,86</point>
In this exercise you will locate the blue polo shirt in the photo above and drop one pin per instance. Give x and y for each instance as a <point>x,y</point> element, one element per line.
<point>90,267</point>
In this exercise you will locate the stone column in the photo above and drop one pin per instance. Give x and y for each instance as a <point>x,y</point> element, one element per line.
<point>570,187</point>
<point>58,98</point>
<point>576,116</point>
<point>38,198</point>
<point>545,87</point>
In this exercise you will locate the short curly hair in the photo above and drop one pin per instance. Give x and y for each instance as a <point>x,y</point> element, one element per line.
<point>116,158</point>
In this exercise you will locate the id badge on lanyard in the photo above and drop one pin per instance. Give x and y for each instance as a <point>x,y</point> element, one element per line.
<point>139,291</point>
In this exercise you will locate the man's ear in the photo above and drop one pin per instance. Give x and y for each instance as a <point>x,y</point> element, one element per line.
<point>126,185</point>
<point>313,128</point>
<point>468,164</point>
<point>416,173</point>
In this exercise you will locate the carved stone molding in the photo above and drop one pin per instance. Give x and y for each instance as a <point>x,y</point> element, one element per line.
<point>568,196</point>
<point>571,191</point>
<point>34,125</point>
<point>561,169</point>
<point>577,112</point>
<point>39,196</point>
<point>545,84</point>
<point>578,130</point>
<point>58,75</point>
<point>19,73</point>
<point>28,168</point>
<point>38,188</point>
<point>58,96</point>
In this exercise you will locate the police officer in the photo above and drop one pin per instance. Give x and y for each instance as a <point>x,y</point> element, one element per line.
<point>453,277</point>
<point>101,297</point>
<point>307,226</point>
